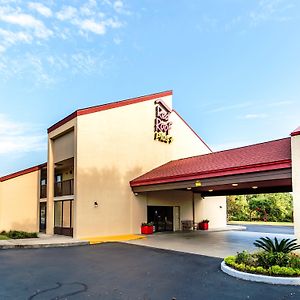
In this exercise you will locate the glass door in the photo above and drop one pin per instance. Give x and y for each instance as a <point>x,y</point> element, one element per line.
<point>43,216</point>
<point>162,217</point>
<point>63,217</point>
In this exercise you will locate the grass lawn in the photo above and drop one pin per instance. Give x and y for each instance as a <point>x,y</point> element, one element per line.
<point>3,237</point>
<point>261,223</point>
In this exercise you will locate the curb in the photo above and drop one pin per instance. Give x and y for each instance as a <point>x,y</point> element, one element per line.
<point>259,278</point>
<point>36,246</point>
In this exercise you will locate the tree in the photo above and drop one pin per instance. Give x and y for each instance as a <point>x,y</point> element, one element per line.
<point>237,208</point>
<point>264,207</point>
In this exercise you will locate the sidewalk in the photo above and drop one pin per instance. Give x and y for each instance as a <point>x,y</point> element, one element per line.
<point>43,241</point>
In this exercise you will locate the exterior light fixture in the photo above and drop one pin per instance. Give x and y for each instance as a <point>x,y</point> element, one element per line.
<point>255,187</point>
<point>95,204</point>
<point>235,184</point>
<point>136,194</point>
<point>210,190</point>
<point>188,188</point>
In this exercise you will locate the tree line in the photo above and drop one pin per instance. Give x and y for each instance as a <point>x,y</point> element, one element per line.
<point>260,207</point>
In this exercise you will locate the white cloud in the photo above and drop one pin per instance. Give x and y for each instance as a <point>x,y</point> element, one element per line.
<point>270,10</point>
<point>28,28</point>
<point>67,13</point>
<point>19,137</point>
<point>89,8</point>
<point>281,103</point>
<point>9,38</point>
<point>253,116</point>
<point>87,62</point>
<point>113,23</point>
<point>98,27</point>
<point>95,27</point>
<point>46,69</point>
<point>25,21</point>
<point>40,8</point>
<point>119,7</point>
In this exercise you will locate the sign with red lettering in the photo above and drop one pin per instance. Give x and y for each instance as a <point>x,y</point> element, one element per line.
<point>162,124</point>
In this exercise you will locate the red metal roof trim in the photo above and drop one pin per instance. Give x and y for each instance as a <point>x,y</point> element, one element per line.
<point>192,130</point>
<point>248,159</point>
<point>285,164</point>
<point>23,172</point>
<point>296,132</point>
<point>93,109</point>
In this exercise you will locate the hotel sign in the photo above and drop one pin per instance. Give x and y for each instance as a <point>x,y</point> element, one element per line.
<point>162,124</point>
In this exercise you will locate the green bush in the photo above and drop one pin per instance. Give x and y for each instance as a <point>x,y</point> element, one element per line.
<point>294,261</point>
<point>269,259</point>
<point>15,234</point>
<point>246,258</point>
<point>272,264</point>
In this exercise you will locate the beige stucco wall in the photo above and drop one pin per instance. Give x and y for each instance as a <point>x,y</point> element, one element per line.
<point>63,147</point>
<point>211,208</point>
<point>186,143</point>
<point>19,203</point>
<point>295,144</point>
<point>114,147</point>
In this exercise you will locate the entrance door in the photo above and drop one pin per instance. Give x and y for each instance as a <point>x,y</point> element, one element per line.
<point>162,217</point>
<point>43,216</point>
<point>63,217</point>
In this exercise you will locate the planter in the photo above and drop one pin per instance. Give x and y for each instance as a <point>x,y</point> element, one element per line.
<point>146,229</point>
<point>259,278</point>
<point>203,225</point>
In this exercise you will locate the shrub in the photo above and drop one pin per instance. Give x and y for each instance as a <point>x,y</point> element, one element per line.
<point>294,261</point>
<point>266,263</point>
<point>15,234</point>
<point>269,259</point>
<point>246,258</point>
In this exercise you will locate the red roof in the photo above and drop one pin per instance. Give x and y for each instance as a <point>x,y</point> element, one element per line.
<point>23,172</point>
<point>254,158</point>
<point>93,109</point>
<point>296,132</point>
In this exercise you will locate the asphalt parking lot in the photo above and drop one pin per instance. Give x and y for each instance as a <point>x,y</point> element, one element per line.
<point>269,229</point>
<point>123,271</point>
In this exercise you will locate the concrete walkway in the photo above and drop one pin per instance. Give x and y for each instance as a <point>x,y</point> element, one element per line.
<point>215,244</point>
<point>44,241</point>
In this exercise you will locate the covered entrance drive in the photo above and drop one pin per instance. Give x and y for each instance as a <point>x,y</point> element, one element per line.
<point>268,167</point>
<point>259,168</point>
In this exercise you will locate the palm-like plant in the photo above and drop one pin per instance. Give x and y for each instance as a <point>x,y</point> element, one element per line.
<point>284,246</point>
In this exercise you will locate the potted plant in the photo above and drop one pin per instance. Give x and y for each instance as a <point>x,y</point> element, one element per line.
<point>147,228</point>
<point>203,225</point>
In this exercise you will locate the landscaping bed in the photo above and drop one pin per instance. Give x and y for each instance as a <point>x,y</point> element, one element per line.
<point>15,234</point>
<point>274,259</point>
<point>265,263</point>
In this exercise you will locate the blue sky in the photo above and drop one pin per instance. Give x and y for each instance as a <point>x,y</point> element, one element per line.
<point>233,65</point>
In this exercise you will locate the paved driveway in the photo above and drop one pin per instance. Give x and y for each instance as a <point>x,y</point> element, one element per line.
<point>270,229</point>
<point>117,271</point>
<point>216,244</point>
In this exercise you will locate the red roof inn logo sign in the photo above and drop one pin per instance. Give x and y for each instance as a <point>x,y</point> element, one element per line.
<point>162,125</point>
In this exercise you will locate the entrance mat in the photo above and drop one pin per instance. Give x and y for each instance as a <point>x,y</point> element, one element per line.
<point>115,238</point>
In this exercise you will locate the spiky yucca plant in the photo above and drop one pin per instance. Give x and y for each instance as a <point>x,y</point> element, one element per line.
<point>284,246</point>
